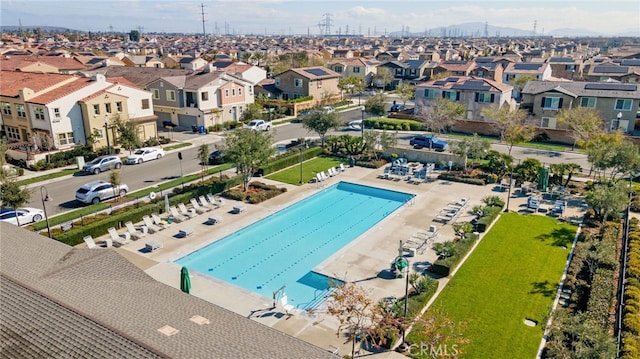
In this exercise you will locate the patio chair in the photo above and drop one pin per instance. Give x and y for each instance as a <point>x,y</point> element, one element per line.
<point>158,221</point>
<point>324,176</point>
<point>330,172</point>
<point>135,234</point>
<point>216,200</point>
<point>184,211</point>
<point>115,237</point>
<point>342,167</point>
<point>175,216</point>
<point>206,204</point>
<point>150,226</point>
<point>199,209</point>
<point>89,241</point>
<point>284,302</point>
<point>238,209</point>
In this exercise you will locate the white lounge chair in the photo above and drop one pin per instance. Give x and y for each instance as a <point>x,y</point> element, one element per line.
<point>342,167</point>
<point>336,171</point>
<point>216,200</point>
<point>115,237</point>
<point>158,221</point>
<point>184,211</point>
<point>319,177</point>
<point>206,204</point>
<point>175,216</point>
<point>324,176</point>
<point>284,302</point>
<point>135,234</point>
<point>152,228</point>
<point>89,241</point>
<point>152,246</point>
<point>330,172</point>
<point>199,209</point>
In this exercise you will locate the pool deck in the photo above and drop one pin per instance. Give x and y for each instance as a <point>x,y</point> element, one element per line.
<point>366,260</point>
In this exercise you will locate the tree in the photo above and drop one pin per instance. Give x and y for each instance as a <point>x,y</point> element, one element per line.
<point>511,124</point>
<point>606,199</point>
<point>527,170</point>
<point>12,196</point>
<point>559,170</point>
<point>203,157</point>
<point>375,105</point>
<point>253,111</point>
<point>246,57</point>
<point>611,152</point>
<point>444,249</point>
<point>442,115</point>
<point>383,77</point>
<point>351,84</point>
<point>498,163</point>
<point>474,147</point>
<point>127,133</point>
<point>249,150</point>
<point>583,122</point>
<point>259,56</point>
<point>521,81</point>
<point>437,330</point>
<point>321,122</point>
<point>116,180</point>
<point>3,159</point>
<point>405,91</point>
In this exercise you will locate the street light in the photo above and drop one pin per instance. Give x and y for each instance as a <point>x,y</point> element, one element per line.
<point>402,264</point>
<point>106,131</point>
<point>509,188</point>
<point>44,196</point>
<point>362,123</point>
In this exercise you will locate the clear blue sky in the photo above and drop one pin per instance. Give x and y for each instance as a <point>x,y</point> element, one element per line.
<point>300,16</point>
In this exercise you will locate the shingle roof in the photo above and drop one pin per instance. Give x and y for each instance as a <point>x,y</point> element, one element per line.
<point>107,305</point>
<point>468,83</point>
<point>579,89</point>
<point>141,76</point>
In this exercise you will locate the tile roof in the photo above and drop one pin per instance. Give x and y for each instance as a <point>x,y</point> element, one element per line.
<point>93,302</point>
<point>62,63</point>
<point>469,83</point>
<point>141,76</point>
<point>314,73</point>
<point>11,82</point>
<point>62,91</point>
<point>579,89</point>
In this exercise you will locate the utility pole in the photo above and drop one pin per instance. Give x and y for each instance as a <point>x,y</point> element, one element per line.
<point>204,33</point>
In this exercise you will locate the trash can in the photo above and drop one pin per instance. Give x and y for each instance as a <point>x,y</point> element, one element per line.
<point>201,129</point>
<point>194,129</point>
<point>352,161</point>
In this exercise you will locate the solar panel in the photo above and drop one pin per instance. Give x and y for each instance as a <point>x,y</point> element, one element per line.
<point>630,62</point>
<point>451,62</point>
<point>560,59</point>
<point>453,79</point>
<point>610,86</point>
<point>440,83</point>
<point>611,69</point>
<point>317,72</point>
<point>472,86</point>
<point>484,59</point>
<point>527,66</point>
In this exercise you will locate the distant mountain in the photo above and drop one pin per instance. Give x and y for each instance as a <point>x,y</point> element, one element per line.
<point>43,28</point>
<point>568,32</point>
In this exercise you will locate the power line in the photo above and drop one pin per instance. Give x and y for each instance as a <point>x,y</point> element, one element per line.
<point>204,33</point>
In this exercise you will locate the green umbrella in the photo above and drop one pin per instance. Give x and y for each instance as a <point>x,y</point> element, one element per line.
<point>185,282</point>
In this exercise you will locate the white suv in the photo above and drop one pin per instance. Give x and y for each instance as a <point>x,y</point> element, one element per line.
<point>96,191</point>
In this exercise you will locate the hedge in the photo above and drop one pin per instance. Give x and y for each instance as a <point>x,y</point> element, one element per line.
<point>631,323</point>
<point>444,266</point>
<point>454,178</point>
<point>490,214</point>
<point>392,124</point>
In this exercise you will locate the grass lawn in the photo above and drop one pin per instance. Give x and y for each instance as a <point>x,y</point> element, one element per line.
<point>513,274</point>
<point>61,173</point>
<point>291,175</point>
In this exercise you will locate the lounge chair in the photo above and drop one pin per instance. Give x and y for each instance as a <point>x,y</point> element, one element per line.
<point>152,246</point>
<point>158,221</point>
<point>199,209</point>
<point>152,228</point>
<point>238,209</point>
<point>284,302</point>
<point>324,176</point>
<point>175,216</point>
<point>342,167</point>
<point>319,177</point>
<point>206,204</point>
<point>214,219</point>
<point>184,211</point>
<point>89,241</point>
<point>115,237</point>
<point>216,200</point>
<point>135,234</point>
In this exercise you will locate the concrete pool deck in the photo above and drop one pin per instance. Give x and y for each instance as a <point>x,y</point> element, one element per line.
<point>365,260</point>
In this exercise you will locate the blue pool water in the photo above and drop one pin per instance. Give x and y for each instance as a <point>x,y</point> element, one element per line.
<point>284,247</point>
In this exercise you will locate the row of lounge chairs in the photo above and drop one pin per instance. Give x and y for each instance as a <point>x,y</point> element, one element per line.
<point>420,241</point>
<point>331,172</point>
<point>451,211</point>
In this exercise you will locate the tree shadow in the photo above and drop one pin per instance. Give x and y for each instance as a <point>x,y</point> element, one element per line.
<point>545,288</point>
<point>559,237</point>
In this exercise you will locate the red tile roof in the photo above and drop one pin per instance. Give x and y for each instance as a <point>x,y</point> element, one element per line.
<point>11,82</point>
<point>62,91</point>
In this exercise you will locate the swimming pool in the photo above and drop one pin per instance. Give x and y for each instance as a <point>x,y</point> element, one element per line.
<point>283,248</point>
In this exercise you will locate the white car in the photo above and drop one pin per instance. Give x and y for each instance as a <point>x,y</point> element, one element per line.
<point>26,215</point>
<point>144,154</point>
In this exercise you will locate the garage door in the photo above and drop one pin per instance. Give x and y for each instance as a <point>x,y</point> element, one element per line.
<point>163,117</point>
<point>185,121</point>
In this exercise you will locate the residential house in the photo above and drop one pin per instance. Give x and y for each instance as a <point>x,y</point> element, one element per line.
<point>192,64</point>
<point>251,73</point>
<point>474,93</point>
<point>565,68</point>
<point>617,103</point>
<point>342,54</point>
<point>488,70</point>
<point>454,68</point>
<point>358,67</point>
<point>622,71</point>
<point>540,71</point>
<point>49,64</point>
<point>397,69</point>
<point>319,82</point>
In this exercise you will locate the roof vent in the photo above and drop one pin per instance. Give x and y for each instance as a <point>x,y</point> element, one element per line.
<point>168,331</point>
<point>199,320</point>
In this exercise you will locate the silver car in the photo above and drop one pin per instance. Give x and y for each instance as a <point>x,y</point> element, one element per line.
<point>102,163</point>
<point>96,191</point>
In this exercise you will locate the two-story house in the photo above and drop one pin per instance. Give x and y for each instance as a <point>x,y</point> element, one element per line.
<point>472,92</point>
<point>455,68</point>
<point>625,71</point>
<point>618,104</point>
<point>565,67</point>
<point>319,82</point>
<point>488,70</point>
<point>358,67</point>
<point>540,71</point>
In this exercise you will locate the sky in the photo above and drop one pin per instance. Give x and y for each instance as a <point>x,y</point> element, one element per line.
<point>284,17</point>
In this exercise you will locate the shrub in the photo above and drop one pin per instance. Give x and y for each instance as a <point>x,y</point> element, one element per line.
<point>454,178</point>
<point>491,178</point>
<point>488,216</point>
<point>446,265</point>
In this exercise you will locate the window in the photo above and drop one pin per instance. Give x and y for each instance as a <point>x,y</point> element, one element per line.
<point>297,82</point>
<point>107,107</point>
<point>510,77</point>
<point>96,109</point>
<point>156,94</point>
<point>226,93</point>
<point>548,122</point>
<point>484,97</point>
<point>338,69</point>
<point>119,106</point>
<point>13,133</point>
<point>570,67</point>
<point>204,96</point>
<point>233,92</point>
<point>589,102</point>
<point>623,104</point>
<point>412,72</point>
<point>56,112</point>
<point>277,81</point>
<point>451,95</point>
<point>20,111</point>
<point>398,72</point>
<point>145,104</point>
<point>480,73</point>
<point>239,91</point>
<point>6,108</point>
<point>356,69</point>
<point>38,113</point>
<point>250,90</point>
<point>551,103</point>
<point>171,95</point>
<point>429,93</point>
<point>66,138</point>
<point>319,82</point>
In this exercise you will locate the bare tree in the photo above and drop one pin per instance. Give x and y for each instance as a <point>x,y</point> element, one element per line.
<point>442,115</point>
<point>511,124</point>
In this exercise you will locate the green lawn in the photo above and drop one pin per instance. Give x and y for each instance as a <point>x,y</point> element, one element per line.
<point>511,275</point>
<point>291,175</point>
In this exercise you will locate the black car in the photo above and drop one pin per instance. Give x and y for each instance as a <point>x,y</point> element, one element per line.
<point>215,158</point>
<point>396,107</point>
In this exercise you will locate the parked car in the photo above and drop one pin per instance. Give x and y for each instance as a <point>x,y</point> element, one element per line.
<point>329,109</point>
<point>258,125</point>
<point>26,215</point>
<point>215,158</point>
<point>102,163</point>
<point>432,142</point>
<point>97,191</point>
<point>144,154</point>
<point>367,93</point>
<point>396,107</point>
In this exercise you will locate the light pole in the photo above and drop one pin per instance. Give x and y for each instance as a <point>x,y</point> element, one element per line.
<point>402,264</point>
<point>509,188</point>
<point>362,123</point>
<point>44,196</point>
<point>106,131</point>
